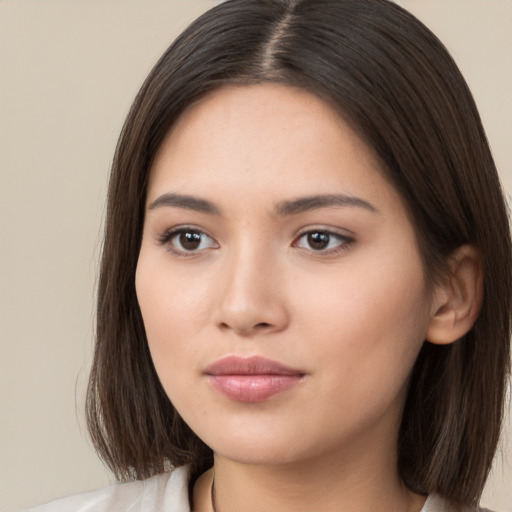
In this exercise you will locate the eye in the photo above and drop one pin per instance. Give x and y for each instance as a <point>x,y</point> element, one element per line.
<point>323,241</point>
<point>184,241</point>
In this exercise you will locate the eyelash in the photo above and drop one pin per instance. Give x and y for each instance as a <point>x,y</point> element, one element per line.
<point>344,241</point>
<point>167,238</point>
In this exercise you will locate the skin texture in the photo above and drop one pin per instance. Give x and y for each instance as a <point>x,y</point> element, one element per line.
<point>350,318</point>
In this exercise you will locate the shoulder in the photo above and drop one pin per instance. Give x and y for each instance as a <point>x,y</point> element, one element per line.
<point>168,491</point>
<point>436,503</point>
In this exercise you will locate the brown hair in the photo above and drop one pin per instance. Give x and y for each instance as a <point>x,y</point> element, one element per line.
<point>396,84</point>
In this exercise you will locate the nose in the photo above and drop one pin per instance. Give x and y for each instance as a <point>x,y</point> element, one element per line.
<point>251,296</point>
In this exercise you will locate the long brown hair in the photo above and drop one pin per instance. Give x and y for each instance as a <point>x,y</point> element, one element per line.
<point>396,84</point>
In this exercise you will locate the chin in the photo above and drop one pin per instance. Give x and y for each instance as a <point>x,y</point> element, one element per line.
<point>258,453</point>
<point>273,447</point>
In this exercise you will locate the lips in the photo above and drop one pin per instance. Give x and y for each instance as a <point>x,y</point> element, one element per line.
<point>252,379</point>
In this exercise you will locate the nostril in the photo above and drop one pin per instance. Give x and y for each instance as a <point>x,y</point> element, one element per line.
<point>262,325</point>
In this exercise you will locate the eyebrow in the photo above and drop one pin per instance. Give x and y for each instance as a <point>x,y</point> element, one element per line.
<point>285,208</point>
<point>305,204</point>
<point>186,202</point>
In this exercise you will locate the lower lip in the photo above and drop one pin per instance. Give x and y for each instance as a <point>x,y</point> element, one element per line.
<point>252,388</point>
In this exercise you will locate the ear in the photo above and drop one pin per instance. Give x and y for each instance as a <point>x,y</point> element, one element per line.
<point>458,299</point>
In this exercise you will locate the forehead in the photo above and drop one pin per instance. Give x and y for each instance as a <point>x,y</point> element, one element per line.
<point>264,107</point>
<point>258,132</point>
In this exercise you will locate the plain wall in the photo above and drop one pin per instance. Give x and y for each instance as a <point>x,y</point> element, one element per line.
<point>69,70</point>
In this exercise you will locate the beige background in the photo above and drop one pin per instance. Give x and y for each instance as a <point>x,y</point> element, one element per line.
<point>68,72</point>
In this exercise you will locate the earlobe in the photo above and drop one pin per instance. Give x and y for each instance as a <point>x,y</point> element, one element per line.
<point>458,299</point>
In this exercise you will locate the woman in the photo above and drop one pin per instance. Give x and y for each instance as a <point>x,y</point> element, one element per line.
<point>305,290</point>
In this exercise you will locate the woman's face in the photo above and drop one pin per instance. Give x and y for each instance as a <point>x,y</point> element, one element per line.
<point>279,279</point>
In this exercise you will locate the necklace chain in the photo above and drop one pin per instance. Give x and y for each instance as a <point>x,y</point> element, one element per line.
<point>212,495</point>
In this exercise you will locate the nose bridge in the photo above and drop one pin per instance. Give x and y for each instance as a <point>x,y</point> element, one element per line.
<point>251,294</point>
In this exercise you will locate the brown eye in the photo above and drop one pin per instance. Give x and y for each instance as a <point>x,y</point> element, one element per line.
<point>189,240</point>
<point>185,241</point>
<point>318,241</point>
<point>323,241</point>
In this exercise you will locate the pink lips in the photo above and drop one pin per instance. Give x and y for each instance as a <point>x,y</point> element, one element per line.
<point>252,379</point>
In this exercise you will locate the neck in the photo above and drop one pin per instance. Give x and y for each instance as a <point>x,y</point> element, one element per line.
<point>316,485</point>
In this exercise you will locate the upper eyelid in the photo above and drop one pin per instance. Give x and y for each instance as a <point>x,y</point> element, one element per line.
<point>343,232</point>
<point>326,231</point>
<point>169,232</point>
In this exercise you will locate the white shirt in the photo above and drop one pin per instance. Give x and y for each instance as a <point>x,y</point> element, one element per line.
<point>167,492</point>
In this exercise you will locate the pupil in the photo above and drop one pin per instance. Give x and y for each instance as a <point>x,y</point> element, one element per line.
<point>190,240</point>
<point>318,240</point>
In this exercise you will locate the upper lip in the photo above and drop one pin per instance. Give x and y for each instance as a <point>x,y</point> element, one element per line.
<point>255,365</point>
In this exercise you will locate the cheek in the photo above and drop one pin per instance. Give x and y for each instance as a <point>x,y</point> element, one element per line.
<point>171,308</point>
<point>170,298</point>
<point>375,290</point>
<point>367,323</point>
